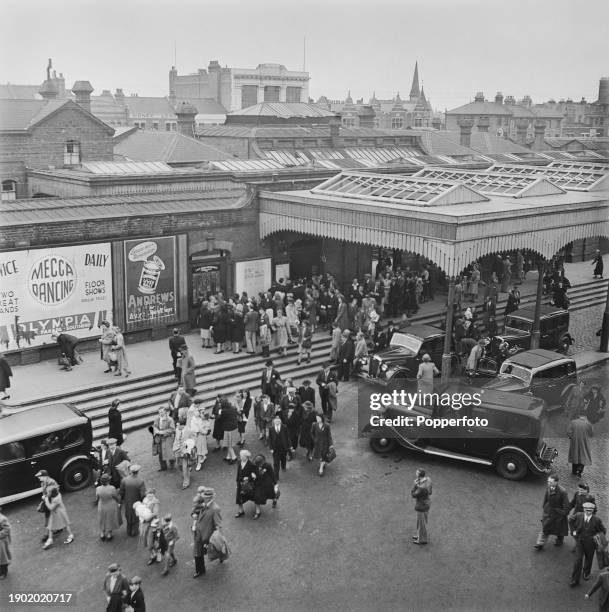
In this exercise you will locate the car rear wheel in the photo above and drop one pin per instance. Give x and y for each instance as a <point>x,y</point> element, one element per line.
<point>511,466</point>
<point>382,445</point>
<point>76,476</point>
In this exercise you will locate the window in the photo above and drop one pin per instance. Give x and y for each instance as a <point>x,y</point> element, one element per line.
<point>170,126</point>
<point>9,190</point>
<point>271,93</point>
<point>249,95</point>
<point>140,124</point>
<point>45,444</point>
<point>155,126</point>
<point>292,94</point>
<point>397,123</point>
<point>71,153</point>
<point>11,452</point>
<point>71,436</point>
<point>348,121</point>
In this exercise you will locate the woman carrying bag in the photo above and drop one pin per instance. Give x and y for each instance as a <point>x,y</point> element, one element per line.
<point>323,445</point>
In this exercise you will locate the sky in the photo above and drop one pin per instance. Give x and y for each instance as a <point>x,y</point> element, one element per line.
<point>543,48</point>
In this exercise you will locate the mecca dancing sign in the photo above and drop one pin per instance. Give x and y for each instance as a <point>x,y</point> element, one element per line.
<point>42,290</point>
<point>150,282</point>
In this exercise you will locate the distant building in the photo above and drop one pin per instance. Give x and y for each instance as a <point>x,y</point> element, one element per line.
<point>237,88</point>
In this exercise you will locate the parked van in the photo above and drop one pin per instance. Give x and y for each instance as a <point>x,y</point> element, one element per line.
<point>56,438</point>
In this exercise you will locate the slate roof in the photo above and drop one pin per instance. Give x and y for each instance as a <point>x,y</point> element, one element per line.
<point>481,108</point>
<point>149,107</point>
<point>440,143</point>
<point>56,210</point>
<point>169,147</point>
<point>284,110</point>
<point>487,143</point>
<point>205,106</point>
<point>9,91</point>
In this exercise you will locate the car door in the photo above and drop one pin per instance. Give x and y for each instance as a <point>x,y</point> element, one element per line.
<point>16,470</point>
<point>46,453</point>
<point>548,382</point>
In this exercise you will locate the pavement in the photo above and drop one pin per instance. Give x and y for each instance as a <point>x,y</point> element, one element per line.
<point>40,380</point>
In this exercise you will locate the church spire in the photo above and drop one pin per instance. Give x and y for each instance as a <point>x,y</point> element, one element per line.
<point>414,90</point>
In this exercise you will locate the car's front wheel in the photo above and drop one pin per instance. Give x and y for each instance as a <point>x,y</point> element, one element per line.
<point>511,466</point>
<point>76,476</point>
<point>382,445</point>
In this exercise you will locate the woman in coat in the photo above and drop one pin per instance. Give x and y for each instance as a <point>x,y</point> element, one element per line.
<point>595,404</point>
<point>336,342</point>
<point>322,440</point>
<point>282,332</point>
<point>229,421</point>
<point>58,517</point>
<point>342,316</point>
<point>164,430</point>
<point>246,478</point>
<point>5,545</point>
<point>265,485</point>
<point>200,426</point>
<point>205,321</point>
<point>118,345</point>
<point>237,330</point>
<point>220,328</point>
<point>306,425</point>
<point>106,340</point>
<point>115,422</point>
<point>243,401</point>
<point>427,370</point>
<point>108,512</point>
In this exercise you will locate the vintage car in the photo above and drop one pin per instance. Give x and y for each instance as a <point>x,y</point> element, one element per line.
<point>56,438</point>
<point>401,359</point>
<point>511,442</point>
<point>544,374</point>
<point>553,328</point>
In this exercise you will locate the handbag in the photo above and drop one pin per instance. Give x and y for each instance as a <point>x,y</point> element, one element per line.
<point>42,507</point>
<point>330,455</point>
<point>112,356</point>
<point>247,489</point>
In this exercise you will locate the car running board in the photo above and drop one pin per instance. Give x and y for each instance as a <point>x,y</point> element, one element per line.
<point>432,450</point>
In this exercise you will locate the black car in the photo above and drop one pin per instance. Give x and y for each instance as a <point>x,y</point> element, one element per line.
<point>401,359</point>
<point>56,438</point>
<point>511,441</point>
<point>553,328</point>
<point>544,374</point>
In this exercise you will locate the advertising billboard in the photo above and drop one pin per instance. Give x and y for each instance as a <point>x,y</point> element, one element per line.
<point>150,282</point>
<point>42,290</point>
<point>253,276</point>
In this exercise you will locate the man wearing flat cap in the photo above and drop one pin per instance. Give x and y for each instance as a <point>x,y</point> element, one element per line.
<point>135,599</point>
<point>584,526</point>
<point>270,381</point>
<point>116,587</point>
<point>132,489</point>
<point>207,519</point>
<point>115,455</point>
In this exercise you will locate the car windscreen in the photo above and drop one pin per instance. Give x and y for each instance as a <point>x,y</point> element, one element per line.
<point>406,341</point>
<point>520,324</point>
<point>514,369</point>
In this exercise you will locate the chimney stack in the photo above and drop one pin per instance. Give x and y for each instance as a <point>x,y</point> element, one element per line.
<point>119,96</point>
<point>522,125</point>
<point>48,90</point>
<point>465,125</point>
<point>540,131</point>
<point>483,124</point>
<point>499,98</point>
<point>186,114</point>
<point>82,90</point>
<point>479,97</point>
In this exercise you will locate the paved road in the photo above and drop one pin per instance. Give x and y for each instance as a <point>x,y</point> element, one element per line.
<point>341,542</point>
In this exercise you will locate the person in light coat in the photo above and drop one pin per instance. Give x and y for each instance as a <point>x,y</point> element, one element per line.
<point>58,517</point>
<point>164,431</point>
<point>118,345</point>
<point>427,370</point>
<point>108,512</point>
<point>579,433</point>
<point>200,426</point>
<point>106,340</point>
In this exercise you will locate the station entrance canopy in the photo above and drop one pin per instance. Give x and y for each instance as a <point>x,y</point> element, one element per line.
<point>451,217</point>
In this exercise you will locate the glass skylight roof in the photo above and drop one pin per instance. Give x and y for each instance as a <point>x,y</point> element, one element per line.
<point>570,176</point>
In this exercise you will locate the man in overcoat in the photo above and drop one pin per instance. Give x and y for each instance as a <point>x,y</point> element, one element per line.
<point>133,489</point>
<point>555,512</point>
<point>175,343</point>
<point>115,456</point>
<point>116,587</point>
<point>207,519</point>
<point>279,443</point>
<point>585,525</point>
<point>269,381</point>
<point>421,491</point>
<point>579,433</point>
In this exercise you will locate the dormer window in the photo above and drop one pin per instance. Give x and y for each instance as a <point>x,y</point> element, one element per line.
<point>9,190</point>
<point>71,153</point>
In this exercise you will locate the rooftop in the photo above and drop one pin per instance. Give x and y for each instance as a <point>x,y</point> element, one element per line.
<point>572,177</point>
<point>284,110</point>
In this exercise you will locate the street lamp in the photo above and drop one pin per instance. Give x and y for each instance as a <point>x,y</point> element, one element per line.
<point>446,355</point>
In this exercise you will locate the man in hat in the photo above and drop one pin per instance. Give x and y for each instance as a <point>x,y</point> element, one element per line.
<point>67,345</point>
<point>326,374</point>
<point>115,456</point>
<point>177,400</point>
<point>291,415</point>
<point>597,262</point>
<point>279,444</point>
<point>346,354</point>
<point>270,381</point>
<point>207,517</point>
<point>188,374</point>
<point>170,531</point>
<point>579,433</point>
<point>175,343</point>
<point>421,492</point>
<point>584,526</point>
<point>555,512</point>
<point>135,598</point>
<point>116,587</point>
<point>132,489</point>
